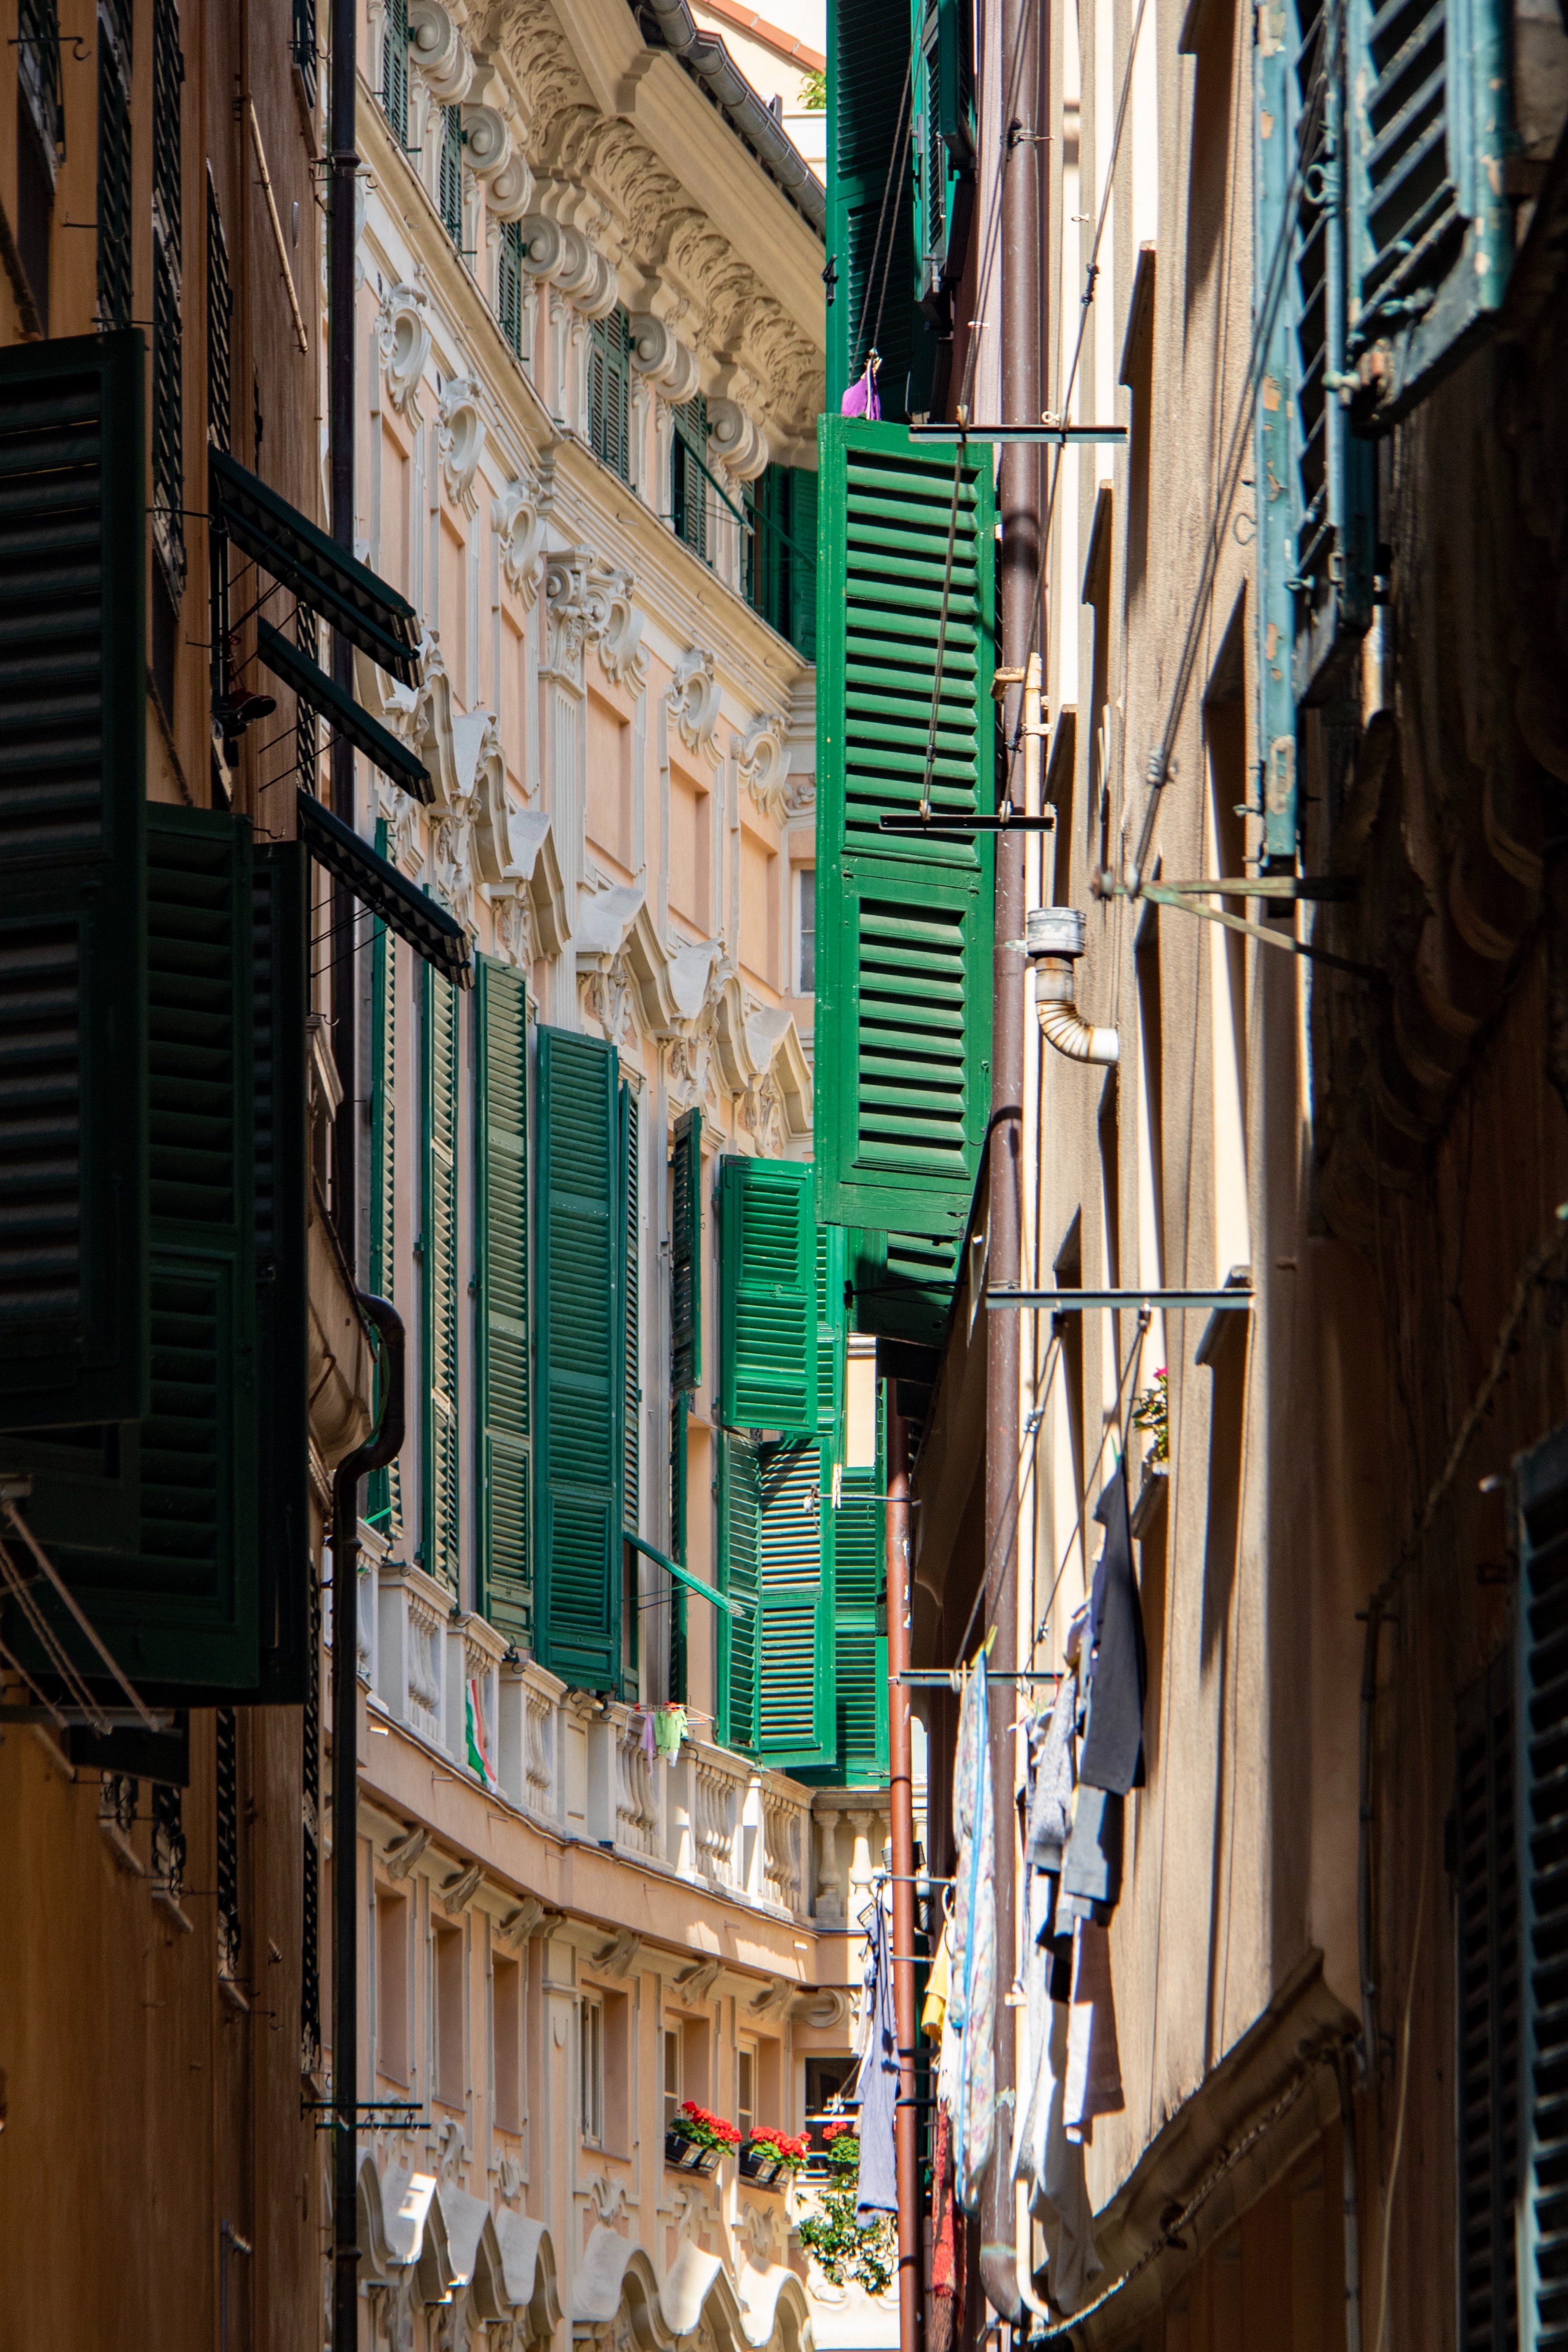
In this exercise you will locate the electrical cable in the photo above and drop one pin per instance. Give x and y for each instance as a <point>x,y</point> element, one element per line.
<point>900,140</point>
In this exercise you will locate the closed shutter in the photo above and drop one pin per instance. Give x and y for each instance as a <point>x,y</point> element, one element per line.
<point>1431,224</point>
<point>631,1408</point>
<point>395,70</point>
<point>739,1513</point>
<point>509,285</point>
<point>1275,470</point>
<point>281,899</point>
<point>903,1016</point>
<point>801,628</point>
<point>686,1253</point>
<point>870,209</point>
<point>1543,1718</point>
<point>73,955</point>
<point>440,1544</point>
<point>168,309</point>
<point>609,392</point>
<point>116,281</point>
<point>506,1497</point>
<point>1486,1988</point>
<point>384,1501</point>
<point>450,178</point>
<point>581,1361</point>
<point>768,1374</point>
<point>861,1727</point>
<point>796,1639</point>
<point>678,1415</point>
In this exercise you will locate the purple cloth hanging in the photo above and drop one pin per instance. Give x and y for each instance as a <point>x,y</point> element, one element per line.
<point>863,399</point>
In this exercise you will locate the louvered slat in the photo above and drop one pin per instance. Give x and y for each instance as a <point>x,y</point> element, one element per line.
<point>795,1631</point>
<point>631,1404</point>
<point>768,1362</point>
<point>1544,1754</point>
<point>501,1008</point>
<point>281,960</point>
<point>686,1252</point>
<point>869,186</point>
<point>441,1466</point>
<point>737,1534</point>
<point>385,1490</point>
<point>1487,2004</point>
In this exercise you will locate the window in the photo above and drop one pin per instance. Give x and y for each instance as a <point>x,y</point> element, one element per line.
<point>392,1985</point>
<point>450,183</point>
<point>687,478</point>
<point>509,285</point>
<point>826,2080</point>
<point>40,141</point>
<point>448,2070</point>
<point>781,554</point>
<point>114,272</point>
<point>805,930</point>
<point>745,2090</point>
<point>304,48</point>
<point>593,2067</point>
<point>395,70</point>
<point>220,310</point>
<point>669,2085</point>
<point>690,851</point>
<point>609,392</point>
<point>760,909</point>
<point>506,2043</point>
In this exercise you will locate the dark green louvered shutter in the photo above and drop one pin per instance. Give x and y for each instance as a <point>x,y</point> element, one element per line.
<point>1541,1714</point>
<point>631,1294</point>
<point>903,1003</point>
<point>1277,475</point>
<point>1431,223</point>
<point>795,1637</point>
<point>505,1523</point>
<point>679,1416</point>
<point>902,1284</point>
<point>438,1243</point>
<point>281,965</point>
<point>870,212</point>
<point>1485,1861</point>
<point>830,1331</point>
<point>802,629</point>
<point>860,1730</point>
<point>383,1500</point>
<point>739,1512</point>
<point>610,390</point>
<point>579,1465</point>
<point>685,1253</point>
<point>73,957</point>
<point>768,1295</point>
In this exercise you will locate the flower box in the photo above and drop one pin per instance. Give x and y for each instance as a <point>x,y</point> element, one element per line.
<point>763,2166</point>
<point>690,2155</point>
<point>695,2140</point>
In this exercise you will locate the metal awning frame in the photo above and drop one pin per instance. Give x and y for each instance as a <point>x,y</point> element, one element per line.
<point>380,888</point>
<point>348,595</point>
<point>684,1575</point>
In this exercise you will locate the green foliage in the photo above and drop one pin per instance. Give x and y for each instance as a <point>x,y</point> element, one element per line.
<point>849,2250</point>
<point>813,92</point>
<point>1153,1412</point>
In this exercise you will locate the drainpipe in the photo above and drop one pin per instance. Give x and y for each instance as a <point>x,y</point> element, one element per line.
<point>900,1790</point>
<point>1351,2171</point>
<point>375,1454</point>
<point>1023,221</point>
<point>1054,939</point>
<point>344,161</point>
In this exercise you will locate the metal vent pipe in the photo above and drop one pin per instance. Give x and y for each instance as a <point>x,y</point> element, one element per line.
<point>1054,939</point>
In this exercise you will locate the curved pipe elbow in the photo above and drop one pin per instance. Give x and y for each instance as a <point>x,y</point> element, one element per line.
<point>1063,1026</point>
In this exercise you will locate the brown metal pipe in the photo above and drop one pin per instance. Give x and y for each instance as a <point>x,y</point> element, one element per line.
<point>900,1777</point>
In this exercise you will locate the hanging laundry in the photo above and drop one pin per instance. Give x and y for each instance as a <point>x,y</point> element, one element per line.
<point>1093,2056</point>
<point>1091,1867</point>
<point>933,2008</point>
<point>1113,1753</point>
<point>1051,1778</point>
<point>1061,2196</point>
<point>877,2086</point>
<point>670,1730</point>
<point>972,1997</point>
<point>949,2243</point>
<point>863,399</point>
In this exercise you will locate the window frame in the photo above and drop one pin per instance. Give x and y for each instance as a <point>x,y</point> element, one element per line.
<point>590,2070</point>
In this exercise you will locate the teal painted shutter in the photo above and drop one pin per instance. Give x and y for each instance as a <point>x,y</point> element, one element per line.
<point>830,1331</point>
<point>73,1205</point>
<point>631,1409</point>
<point>860,1729</point>
<point>871,292</point>
<point>680,1413</point>
<point>903,1003</point>
<point>1485,1860</point>
<point>505,1524</point>
<point>281,970</point>
<point>739,1515</point>
<point>440,1544</point>
<point>768,1295</point>
<point>795,1635</point>
<point>383,1500</point>
<point>685,1253</point>
<point>1277,478</point>
<point>902,1284</point>
<point>1431,224</point>
<point>580,1360</point>
<point>1542,1716</point>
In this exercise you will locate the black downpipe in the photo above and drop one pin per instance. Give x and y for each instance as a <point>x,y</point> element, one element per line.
<point>375,1454</point>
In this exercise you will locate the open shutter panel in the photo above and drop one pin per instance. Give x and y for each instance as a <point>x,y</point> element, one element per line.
<point>384,1489</point>
<point>282,962</point>
<point>795,1633</point>
<point>1432,232</point>
<point>679,1414</point>
<point>440,1523</point>
<point>1542,1766</point>
<point>1278,479</point>
<point>73,1197</point>
<point>768,1252</point>
<point>830,1331</point>
<point>631,1409</point>
<point>685,1253</point>
<point>869,188</point>
<point>501,1006</point>
<point>1486,1988</point>
<point>581,1360</point>
<point>739,1511</point>
<point>860,1731</point>
<point>903,1027</point>
<point>902,1284</point>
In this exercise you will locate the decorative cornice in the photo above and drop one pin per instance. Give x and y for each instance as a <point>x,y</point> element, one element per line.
<point>694,699</point>
<point>762,753</point>
<point>460,439</point>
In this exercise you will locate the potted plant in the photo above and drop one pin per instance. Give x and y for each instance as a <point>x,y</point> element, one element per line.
<point>696,2140</point>
<point>847,2250</point>
<point>771,2157</point>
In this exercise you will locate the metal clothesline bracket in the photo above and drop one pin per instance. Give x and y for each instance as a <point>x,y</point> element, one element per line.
<point>1074,1302</point>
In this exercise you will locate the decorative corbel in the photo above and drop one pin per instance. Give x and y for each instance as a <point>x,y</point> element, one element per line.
<point>403,336</point>
<point>659,355</point>
<point>437,51</point>
<point>694,699</point>
<point>695,1982</point>
<point>738,439</point>
<point>618,1957</point>
<point>614,625</point>
<point>555,250</point>
<point>460,439</point>
<point>402,1854</point>
<point>531,1918</point>
<point>518,517</point>
<point>568,603</point>
<point>763,755</point>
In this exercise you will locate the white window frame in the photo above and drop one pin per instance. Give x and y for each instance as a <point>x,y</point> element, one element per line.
<point>591,2036</point>
<point>669,2076</point>
<point>799,986</point>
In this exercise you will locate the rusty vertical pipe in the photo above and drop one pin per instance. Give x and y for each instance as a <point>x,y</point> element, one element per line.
<point>900,1777</point>
<point>1021,130</point>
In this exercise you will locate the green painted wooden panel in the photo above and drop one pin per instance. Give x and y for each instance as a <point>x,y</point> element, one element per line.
<point>441,1520</point>
<point>903,1007</point>
<point>74,1211</point>
<point>768,1371</point>
<point>631,1293</point>
<point>860,1731</point>
<point>581,1360</point>
<point>685,1253</point>
<point>870,198</point>
<point>831,1326</point>
<point>280,959</point>
<point>902,1284</point>
<point>384,1491</point>
<point>505,1441</point>
<point>796,1639</point>
<point>1541,1715</point>
<point>738,1537</point>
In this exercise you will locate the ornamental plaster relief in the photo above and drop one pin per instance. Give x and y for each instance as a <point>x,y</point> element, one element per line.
<point>762,753</point>
<point>460,439</point>
<point>404,337</point>
<point>518,518</point>
<point>693,699</point>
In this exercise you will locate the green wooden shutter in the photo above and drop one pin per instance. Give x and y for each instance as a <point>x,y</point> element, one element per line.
<point>384,1499</point>
<point>831,1326</point>
<point>685,1253</point>
<point>441,1521</point>
<point>739,1514</point>
<point>1277,473</point>
<point>768,1295</point>
<point>678,1415</point>
<point>795,1637</point>
<point>801,627</point>
<point>902,1284</point>
<point>870,185</point>
<point>1542,1716</point>
<point>1487,2011</point>
<point>73,955</point>
<point>631,1293</point>
<point>860,1537</point>
<point>281,966</point>
<point>579,1465</point>
<point>1432,226</point>
<point>506,1486</point>
<point>904,978</point>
